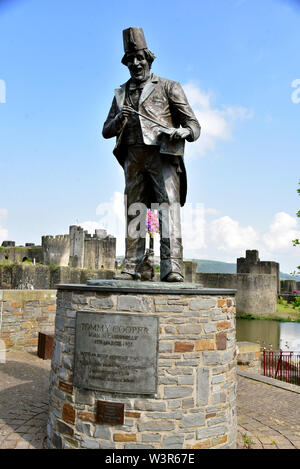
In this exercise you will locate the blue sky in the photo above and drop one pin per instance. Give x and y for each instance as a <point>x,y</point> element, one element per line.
<point>238,61</point>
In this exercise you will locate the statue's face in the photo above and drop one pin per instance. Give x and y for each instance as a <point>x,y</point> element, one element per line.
<point>138,66</point>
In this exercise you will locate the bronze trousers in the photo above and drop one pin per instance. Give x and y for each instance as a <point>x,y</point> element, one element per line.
<point>152,180</point>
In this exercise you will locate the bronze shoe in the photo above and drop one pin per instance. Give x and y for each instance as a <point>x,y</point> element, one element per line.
<point>125,276</point>
<point>173,277</point>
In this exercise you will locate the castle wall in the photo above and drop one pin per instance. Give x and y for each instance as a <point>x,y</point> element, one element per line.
<point>288,286</point>
<point>56,250</point>
<point>99,253</point>
<point>215,280</point>
<point>18,254</point>
<point>78,249</point>
<point>190,270</point>
<point>44,277</point>
<point>251,264</point>
<point>256,293</point>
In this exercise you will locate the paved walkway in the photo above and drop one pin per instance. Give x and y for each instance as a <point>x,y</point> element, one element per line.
<point>24,386</point>
<point>268,417</point>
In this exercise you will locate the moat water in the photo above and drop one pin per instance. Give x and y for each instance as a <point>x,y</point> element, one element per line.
<point>269,334</point>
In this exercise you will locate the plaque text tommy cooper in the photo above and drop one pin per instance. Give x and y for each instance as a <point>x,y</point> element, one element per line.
<point>116,352</point>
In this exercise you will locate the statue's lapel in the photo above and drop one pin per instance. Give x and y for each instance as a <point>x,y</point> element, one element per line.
<point>120,95</point>
<point>148,88</point>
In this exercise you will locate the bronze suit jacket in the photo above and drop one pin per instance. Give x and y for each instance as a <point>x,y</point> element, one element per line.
<point>164,101</point>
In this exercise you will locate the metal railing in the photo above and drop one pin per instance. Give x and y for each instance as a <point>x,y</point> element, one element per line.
<point>284,366</point>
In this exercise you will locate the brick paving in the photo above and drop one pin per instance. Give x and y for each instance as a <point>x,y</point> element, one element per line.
<point>268,417</point>
<point>24,386</point>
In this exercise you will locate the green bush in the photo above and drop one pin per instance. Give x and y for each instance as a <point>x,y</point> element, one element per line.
<point>281,301</point>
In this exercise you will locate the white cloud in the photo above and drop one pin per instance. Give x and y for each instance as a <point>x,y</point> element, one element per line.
<point>227,239</point>
<point>211,211</point>
<point>228,234</point>
<point>282,231</point>
<point>216,124</point>
<point>207,235</point>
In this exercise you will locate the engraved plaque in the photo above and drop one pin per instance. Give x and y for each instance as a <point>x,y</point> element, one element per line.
<point>116,352</point>
<point>110,412</point>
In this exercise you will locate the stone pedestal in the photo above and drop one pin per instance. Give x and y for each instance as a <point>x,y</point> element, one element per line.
<point>181,393</point>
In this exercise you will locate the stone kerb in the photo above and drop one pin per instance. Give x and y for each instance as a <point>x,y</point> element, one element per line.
<point>194,406</point>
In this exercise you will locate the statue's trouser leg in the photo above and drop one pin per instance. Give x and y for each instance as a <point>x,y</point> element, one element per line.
<point>171,251</point>
<point>135,209</point>
<point>145,167</point>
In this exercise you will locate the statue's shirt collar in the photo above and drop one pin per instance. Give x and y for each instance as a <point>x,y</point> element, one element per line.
<point>149,86</point>
<point>139,86</point>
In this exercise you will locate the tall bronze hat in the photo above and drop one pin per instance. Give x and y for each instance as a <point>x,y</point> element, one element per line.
<point>133,39</point>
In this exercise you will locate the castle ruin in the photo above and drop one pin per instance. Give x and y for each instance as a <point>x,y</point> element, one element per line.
<point>77,249</point>
<point>257,284</point>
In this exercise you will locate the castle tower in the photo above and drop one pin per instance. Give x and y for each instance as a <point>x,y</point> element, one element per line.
<point>56,250</point>
<point>77,236</point>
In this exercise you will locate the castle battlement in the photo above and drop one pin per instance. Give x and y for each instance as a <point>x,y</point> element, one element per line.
<point>51,238</point>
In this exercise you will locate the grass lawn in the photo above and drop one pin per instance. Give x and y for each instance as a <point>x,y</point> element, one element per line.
<point>287,310</point>
<point>285,313</point>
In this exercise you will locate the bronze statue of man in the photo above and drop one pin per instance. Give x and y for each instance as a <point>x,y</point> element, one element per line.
<point>151,118</point>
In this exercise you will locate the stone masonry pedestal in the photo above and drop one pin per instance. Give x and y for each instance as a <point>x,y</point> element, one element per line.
<point>189,400</point>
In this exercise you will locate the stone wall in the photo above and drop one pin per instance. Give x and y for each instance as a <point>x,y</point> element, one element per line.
<point>256,293</point>
<point>251,264</point>
<point>92,252</point>
<point>194,407</point>
<point>100,253</point>
<point>56,250</point>
<point>190,270</point>
<point>256,282</point>
<point>80,250</point>
<point>44,277</point>
<point>23,314</point>
<point>288,286</point>
<point>19,254</point>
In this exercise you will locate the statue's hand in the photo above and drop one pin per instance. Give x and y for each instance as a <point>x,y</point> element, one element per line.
<point>125,113</point>
<point>176,134</point>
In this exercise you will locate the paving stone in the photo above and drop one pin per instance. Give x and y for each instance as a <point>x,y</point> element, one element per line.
<point>23,412</point>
